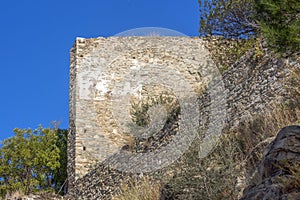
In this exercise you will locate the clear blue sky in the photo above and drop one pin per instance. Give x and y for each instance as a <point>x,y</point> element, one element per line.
<point>36,36</point>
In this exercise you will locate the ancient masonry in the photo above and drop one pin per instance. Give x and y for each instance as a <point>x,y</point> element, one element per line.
<point>96,66</point>
<point>102,67</point>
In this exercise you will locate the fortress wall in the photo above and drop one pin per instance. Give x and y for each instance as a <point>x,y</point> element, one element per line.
<point>100,68</point>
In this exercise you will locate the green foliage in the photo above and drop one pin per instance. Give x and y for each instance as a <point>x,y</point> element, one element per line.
<point>139,110</point>
<point>60,174</point>
<point>228,18</point>
<point>279,23</point>
<point>31,160</point>
<point>139,113</point>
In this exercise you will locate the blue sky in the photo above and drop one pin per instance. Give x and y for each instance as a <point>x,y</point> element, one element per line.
<point>36,37</point>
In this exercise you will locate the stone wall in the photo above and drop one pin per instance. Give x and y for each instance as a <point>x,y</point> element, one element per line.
<point>99,68</point>
<point>253,85</point>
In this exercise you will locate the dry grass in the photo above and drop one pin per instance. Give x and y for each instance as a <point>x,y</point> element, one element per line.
<point>230,166</point>
<point>293,181</point>
<point>144,189</point>
<point>15,195</point>
<point>45,195</point>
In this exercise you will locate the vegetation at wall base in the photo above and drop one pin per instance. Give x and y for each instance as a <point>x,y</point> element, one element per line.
<point>227,170</point>
<point>230,167</point>
<point>144,189</point>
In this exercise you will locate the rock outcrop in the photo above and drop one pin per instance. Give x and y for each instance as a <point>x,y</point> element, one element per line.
<point>278,176</point>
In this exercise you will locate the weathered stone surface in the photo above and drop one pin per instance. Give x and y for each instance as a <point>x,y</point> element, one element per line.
<point>273,178</point>
<point>97,64</point>
<point>250,86</point>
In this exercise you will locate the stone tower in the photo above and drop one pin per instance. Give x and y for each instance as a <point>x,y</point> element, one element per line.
<point>103,71</point>
<point>98,69</point>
